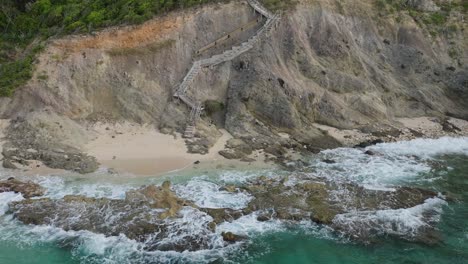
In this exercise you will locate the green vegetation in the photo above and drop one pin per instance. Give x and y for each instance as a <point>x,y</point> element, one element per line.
<point>212,106</point>
<point>275,5</point>
<point>25,24</point>
<point>17,72</point>
<point>435,22</point>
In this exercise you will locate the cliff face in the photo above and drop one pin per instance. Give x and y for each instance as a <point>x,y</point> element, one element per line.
<point>346,64</point>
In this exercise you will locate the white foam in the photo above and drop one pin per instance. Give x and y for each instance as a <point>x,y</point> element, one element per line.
<point>208,195</point>
<point>373,172</point>
<point>392,164</point>
<point>402,222</point>
<point>239,177</point>
<point>57,187</point>
<point>425,148</point>
<point>6,198</point>
<point>248,225</point>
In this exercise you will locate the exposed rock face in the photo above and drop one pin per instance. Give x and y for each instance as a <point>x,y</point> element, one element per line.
<point>27,189</point>
<point>344,65</point>
<point>51,139</point>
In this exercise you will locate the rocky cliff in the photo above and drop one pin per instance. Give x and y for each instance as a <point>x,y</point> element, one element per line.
<point>346,64</point>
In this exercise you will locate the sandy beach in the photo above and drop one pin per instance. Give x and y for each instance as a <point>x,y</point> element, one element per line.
<point>143,151</point>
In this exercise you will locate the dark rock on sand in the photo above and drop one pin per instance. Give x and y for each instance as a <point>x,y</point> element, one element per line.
<point>8,164</point>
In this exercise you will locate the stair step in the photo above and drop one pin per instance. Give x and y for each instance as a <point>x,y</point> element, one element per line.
<point>219,58</point>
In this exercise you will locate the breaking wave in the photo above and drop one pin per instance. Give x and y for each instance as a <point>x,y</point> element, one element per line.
<point>390,165</point>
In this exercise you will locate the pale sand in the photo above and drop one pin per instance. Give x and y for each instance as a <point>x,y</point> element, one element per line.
<point>143,151</point>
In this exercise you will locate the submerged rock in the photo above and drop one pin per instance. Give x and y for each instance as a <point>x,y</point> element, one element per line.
<point>144,215</point>
<point>221,215</point>
<point>27,189</point>
<point>155,214</point>
<point>158,197</point>
<point>230,237</point>
<point>327,202</point>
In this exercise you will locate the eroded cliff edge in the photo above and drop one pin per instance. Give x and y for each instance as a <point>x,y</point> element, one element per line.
<point>345,64</point>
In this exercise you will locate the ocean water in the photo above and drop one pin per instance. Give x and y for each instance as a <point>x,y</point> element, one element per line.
<point>440,165</point>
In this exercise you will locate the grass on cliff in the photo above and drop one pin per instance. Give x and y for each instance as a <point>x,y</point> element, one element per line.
<point>276,5</point>
<point>435,22</point>
<point>26,24</point>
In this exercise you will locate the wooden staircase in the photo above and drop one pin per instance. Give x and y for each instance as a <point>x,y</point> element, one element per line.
<point>196,107</point>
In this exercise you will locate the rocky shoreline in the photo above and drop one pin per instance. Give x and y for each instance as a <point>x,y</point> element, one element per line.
<point>40,141</point>
<point>149,214</point>
<point>289,153</point>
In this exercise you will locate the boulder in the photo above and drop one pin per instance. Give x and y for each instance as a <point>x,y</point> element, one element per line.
<point>8,164</point>
<point>27,189</point>
<point>158,197</point>
<point>232,238</point>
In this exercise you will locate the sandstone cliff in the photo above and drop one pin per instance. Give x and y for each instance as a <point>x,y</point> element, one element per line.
<point>346,64</point>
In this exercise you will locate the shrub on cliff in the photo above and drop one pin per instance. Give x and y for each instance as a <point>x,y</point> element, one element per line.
<point>24,21</point>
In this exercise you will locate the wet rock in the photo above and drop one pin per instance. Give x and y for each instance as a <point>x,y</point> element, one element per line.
<point>212,226</point>
<point>369,143</point>
<point>158,197</point>
<point>329,161</point>
<point>274,195</point>
<point>230,237</point>
<point>223,214</point>
<point>263,218</point>
<point>323,201</point>
<point>229,188</point>
<point>141,216</point>
<point>83,213</point>
<point>27,189</point>
<point>370,153</point>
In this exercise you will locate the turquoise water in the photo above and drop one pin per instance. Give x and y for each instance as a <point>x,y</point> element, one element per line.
<point>439,165</point>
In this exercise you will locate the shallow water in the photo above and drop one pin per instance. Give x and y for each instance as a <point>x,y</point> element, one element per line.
<point>440,165</point>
